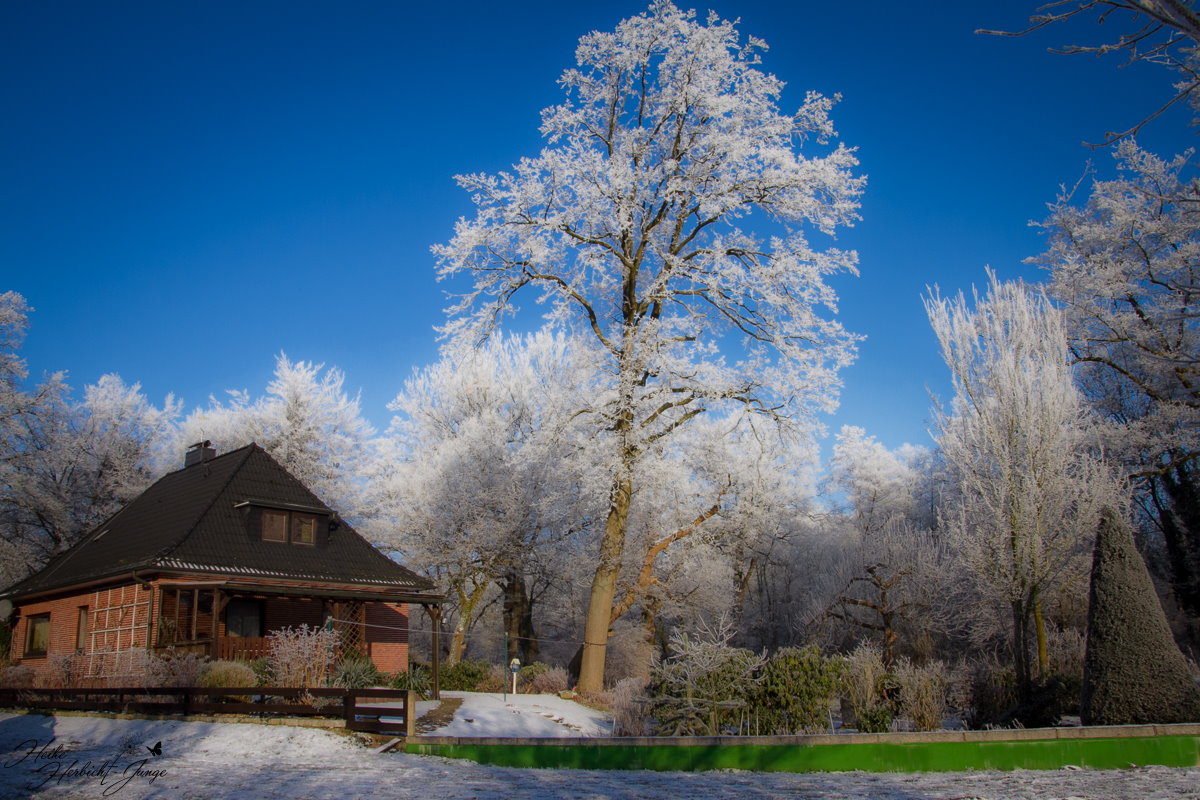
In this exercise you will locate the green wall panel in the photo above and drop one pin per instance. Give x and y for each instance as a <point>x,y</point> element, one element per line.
<point>1114,753</point>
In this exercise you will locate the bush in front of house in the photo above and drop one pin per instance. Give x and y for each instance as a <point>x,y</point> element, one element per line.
<point>356,671</point>
<point>418,678</point>
<point>227,675</point>
<point>301,656</point>
<point>174,669</point>
<point>64,670</point>
<point>263,674</point>
<point>18,676</point>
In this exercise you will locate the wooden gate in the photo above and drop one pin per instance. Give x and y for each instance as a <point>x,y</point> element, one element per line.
<point>366,711</point>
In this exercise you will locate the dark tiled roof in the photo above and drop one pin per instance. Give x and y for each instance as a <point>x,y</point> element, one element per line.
<point>191,521</point>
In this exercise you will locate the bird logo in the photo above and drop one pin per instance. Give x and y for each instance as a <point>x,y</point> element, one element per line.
<point>156,750</point>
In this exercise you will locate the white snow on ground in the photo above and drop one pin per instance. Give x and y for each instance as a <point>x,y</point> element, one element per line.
<point>531,715</point>
<point>95,757</point>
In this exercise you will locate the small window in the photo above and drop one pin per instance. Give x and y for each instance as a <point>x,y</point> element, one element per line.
<point>37,635</point>
<point>274,526</point>
<point>81,629</point>
<point>304,529</point>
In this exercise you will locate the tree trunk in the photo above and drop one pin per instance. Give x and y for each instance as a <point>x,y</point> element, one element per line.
<point>1039,629</point>
<point>604,586</point>
<point>1020,648</point>
<point>1181,530</point>
<point>467,603</point>
<point>518,619</point>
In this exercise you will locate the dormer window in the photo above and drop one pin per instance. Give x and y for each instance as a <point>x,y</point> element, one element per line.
<point>285,523</point>
<point>304,528</point>
<point>288,526</point>
<point>274,525</point>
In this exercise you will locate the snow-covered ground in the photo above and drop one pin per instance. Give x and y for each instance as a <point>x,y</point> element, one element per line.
<point>92,757</point>
<point>532,715</point>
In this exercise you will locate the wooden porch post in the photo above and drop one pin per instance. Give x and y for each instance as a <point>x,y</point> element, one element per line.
<point>195,612</point>
<point>435,616</point>
<point>218,605</point>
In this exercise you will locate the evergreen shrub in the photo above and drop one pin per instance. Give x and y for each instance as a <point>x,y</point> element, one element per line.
<point>418,678</point>
<point>1133,670</point>
<point>795,689</point>
<point>465,675</point>
<point>356,672</point>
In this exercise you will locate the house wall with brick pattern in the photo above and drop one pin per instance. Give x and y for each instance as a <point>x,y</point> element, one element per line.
<point>387,636</point>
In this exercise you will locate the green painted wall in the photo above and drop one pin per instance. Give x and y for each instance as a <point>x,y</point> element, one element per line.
<point>1101,753</point>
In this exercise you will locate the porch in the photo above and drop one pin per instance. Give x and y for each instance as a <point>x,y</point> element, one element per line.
<point>232,621</point>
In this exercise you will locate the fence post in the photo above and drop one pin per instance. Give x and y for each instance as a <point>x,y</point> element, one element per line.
<point>410,713</point>
<point>348,704</point>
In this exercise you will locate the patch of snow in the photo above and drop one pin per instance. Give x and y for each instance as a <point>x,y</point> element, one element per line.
<point>526,715</point>
<point>229,761</point>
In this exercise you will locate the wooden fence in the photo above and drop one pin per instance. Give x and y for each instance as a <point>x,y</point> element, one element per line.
<point>369,710</point>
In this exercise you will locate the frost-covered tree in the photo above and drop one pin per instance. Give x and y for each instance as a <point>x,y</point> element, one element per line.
<point>889,569</point>
<point>66,465</point>
<point>877,487</point>
<point>1126,268</point>
<point>631,225</point>
<point>491,479</point>
<point>306,421</point>
<point>711,511</point>
<point>1016,439</point>
<point>1163,32</point>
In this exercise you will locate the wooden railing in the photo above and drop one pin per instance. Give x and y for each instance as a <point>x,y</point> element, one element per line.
<point>244,648</point>
<point>345,703</point>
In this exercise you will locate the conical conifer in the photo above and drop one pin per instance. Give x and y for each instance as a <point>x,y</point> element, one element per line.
<point>1133,672</point>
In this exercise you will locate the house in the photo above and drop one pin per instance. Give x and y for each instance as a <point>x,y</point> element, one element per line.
<point>209,560</point>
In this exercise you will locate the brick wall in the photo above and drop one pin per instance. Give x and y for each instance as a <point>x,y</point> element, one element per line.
<point>118,620</point>
<point>387,636</point>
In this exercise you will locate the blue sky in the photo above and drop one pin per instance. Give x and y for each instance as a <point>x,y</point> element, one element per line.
<point>188,188</point>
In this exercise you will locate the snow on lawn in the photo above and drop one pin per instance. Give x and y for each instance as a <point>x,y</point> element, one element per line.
<point>96,757</point>
<point>531,715</point>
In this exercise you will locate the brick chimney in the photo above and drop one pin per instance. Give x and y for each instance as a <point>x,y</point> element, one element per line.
<point>199,453</point>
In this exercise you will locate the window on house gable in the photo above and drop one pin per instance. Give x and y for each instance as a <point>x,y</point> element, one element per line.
<point>304,529</point>
<point>37,635</point>
<point>289,526</point>
<point>274,525</point>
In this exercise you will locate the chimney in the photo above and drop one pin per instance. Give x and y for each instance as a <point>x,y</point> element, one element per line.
<point>199,453</point>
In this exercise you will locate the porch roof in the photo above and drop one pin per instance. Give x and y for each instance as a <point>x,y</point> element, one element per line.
<point>233,587</point>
